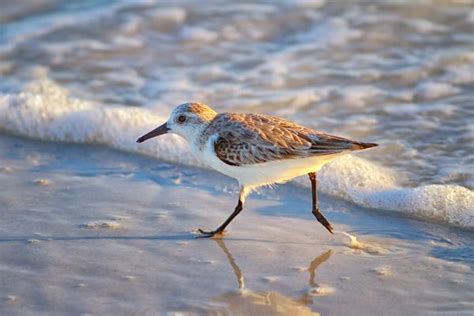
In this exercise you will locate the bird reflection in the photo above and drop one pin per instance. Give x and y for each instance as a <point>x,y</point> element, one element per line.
<point>247,302</point>
<point>230,258</point>
<point>307,298</point>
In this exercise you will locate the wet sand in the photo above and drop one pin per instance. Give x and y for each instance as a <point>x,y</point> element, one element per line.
<point>88,230</point>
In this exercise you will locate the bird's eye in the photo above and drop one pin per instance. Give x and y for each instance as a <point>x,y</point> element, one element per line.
<point>181,119</point>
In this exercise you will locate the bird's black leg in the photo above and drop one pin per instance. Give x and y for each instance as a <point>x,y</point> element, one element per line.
<point>316,212</point>
<point>219,232</point>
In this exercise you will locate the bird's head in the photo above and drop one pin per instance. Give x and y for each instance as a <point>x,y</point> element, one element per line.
<point>186,120</point>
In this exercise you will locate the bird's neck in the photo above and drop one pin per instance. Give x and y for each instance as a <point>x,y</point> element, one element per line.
<point>197,137</point>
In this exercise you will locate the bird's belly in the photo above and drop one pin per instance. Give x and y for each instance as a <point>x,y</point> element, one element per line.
<point>279,171</point>
<point>266,173</point>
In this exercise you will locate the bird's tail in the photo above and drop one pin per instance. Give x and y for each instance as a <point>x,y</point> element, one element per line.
<point>360,145</point>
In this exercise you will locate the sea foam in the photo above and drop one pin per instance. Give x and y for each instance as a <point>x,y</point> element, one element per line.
<point>44,110</point>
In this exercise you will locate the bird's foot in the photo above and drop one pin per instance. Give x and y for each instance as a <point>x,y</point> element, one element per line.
<point>210,233</point>
<point>320,217</point>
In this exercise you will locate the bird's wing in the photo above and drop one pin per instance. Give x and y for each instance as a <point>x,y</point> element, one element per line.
<point>245,139</point>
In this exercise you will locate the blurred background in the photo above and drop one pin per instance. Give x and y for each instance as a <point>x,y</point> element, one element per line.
<point>400,73</point>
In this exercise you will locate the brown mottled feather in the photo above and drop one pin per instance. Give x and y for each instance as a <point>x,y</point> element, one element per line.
<point>243,139</point>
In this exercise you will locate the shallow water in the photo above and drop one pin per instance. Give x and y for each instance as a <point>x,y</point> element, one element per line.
<point>99,231</point>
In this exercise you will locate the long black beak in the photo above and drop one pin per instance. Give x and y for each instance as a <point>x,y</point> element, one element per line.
<point>163,129</point>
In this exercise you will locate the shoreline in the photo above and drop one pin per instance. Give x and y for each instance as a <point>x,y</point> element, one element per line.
<point>101,231</point>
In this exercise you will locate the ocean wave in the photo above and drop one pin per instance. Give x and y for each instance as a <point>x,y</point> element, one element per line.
<point>45,110</point>
<point>17,32</point>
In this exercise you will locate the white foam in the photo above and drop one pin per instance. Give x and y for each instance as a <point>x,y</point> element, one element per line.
<point>42,182</point>
<point>198,34</point>
<point>334,31</point>
<point>101,224</point>
<point>356,96</point>
<point>310,4</point>
<point>435,90</point>
<point>383,271</point>
<point>369,248</point>
<point>163,17</point>
<point>470,16</point>
<point>44,110</point>
<point>459,74</point>
<point>321,290</point>
<point>425,26</point>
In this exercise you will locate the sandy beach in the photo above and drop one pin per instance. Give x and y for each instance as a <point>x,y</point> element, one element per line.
<point>92,223</point>
<point>97,232</point>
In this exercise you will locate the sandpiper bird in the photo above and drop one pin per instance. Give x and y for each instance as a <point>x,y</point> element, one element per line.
<point>255,149</point>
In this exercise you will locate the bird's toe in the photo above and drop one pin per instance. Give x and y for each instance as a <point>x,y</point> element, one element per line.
<point>320,217</point>
<point>210,233</point>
